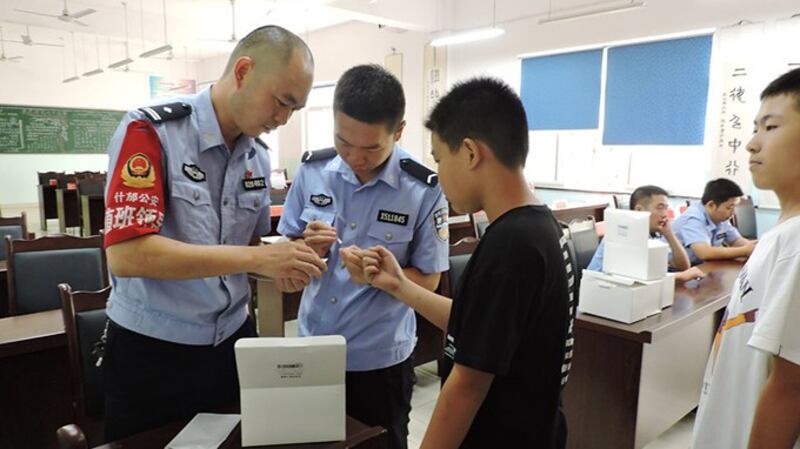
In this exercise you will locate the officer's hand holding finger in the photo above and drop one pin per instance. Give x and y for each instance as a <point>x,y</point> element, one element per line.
<point>292,260</point>
<point>382,270</point>
<point>289,285</point>
<point>351,256</point>
<point>319,236</point>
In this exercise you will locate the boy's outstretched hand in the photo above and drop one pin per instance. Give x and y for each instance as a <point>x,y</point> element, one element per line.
<point>381,269</point>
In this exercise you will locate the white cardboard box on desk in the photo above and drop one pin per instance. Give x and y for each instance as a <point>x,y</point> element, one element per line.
<point>628,227</point>
<point>292,389</point>
<point>668,291</point>
<point>619,298</point>
<point>647,262</point>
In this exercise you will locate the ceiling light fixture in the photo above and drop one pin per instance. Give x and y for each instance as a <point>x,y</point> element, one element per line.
<point>127,60</point>
<point>164,48</point>
<point>473,35</point>
<point>592,12</point>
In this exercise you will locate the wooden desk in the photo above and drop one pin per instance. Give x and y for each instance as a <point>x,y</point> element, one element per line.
<point>568,214</point>
<point>35,379</point>
<point>630,383</point>
<point>357,433</point>
<point>68,210</point>
<point>47,204</point>
<point>93,210</point>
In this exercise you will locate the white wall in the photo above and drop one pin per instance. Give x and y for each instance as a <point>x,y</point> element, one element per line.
<point>335,50</point>
<point>36,81</point>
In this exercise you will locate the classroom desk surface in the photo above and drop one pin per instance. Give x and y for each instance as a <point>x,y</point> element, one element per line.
<point>30,333</point>
<point>357,433</point>
<point>34,372</point>
<point>693,300</point>
<point>631,382</point>
<point>580,212</point>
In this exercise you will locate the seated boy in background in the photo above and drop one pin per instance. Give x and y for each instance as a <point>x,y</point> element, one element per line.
<point>705,228</point>
<point>653,199</point>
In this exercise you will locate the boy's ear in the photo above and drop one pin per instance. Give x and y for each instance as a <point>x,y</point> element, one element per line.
<point>638,207</point>
<point>472,152</point>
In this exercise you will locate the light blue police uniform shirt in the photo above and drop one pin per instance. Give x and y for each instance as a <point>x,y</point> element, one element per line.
<point>212,211</point>
<point>695,226</point>
<point>379,329</point>
<point>596,264</point>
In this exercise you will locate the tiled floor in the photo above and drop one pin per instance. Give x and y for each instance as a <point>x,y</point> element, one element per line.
<point>426,391</point>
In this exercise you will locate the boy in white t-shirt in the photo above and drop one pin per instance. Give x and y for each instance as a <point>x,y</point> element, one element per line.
<point>751,392</point>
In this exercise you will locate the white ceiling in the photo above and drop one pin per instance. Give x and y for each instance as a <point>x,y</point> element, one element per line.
<point>199,28</point>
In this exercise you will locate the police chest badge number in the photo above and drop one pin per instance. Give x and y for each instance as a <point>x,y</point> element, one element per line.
<point>321,200</point>
<point>440,227</point>
<point>392,217</point>
<point>194,172</point>
<point>138,172</point>
<point>254,183</point>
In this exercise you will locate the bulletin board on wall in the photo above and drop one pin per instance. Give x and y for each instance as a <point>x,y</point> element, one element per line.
<point>51,130</point>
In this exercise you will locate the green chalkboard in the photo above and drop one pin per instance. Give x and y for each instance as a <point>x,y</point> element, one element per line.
<point>30,129</point>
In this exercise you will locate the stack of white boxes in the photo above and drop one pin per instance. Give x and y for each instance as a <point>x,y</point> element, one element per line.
<point>634,283</point>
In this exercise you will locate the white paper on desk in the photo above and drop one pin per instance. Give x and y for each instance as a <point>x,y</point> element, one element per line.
<point>204,431</point>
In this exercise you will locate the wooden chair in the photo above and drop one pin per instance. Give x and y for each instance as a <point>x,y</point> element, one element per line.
<point>14,227</point>
<point>46,187</point>
<point>71,436</point>
<point>584,236</point>
<point>36,267</point>
<point>91,203</point>
<point>744,218</point>
<point>622,201</point>
<point>84,322</point>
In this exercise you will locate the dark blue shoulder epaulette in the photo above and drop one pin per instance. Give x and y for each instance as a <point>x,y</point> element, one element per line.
<point>166,112</point>
<point>261,143</point>
<point>319,155</point>
<point>419,171</point>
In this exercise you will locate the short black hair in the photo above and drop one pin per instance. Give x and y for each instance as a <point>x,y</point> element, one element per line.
<point>484,109</point>
<point>721,190</point>
<point>279,42</point>
<point>370,94</point>
<point>644,193</point>
<point>786,84</point>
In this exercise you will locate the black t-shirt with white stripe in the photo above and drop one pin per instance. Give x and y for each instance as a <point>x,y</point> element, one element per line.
<point>512,316</point>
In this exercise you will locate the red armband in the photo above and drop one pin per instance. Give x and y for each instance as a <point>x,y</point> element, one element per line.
<point>135,198</point>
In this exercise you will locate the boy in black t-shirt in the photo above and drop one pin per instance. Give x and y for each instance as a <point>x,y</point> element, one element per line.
<point>509,325</point>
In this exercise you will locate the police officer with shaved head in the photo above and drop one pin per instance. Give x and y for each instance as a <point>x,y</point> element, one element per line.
<point>186,200</point>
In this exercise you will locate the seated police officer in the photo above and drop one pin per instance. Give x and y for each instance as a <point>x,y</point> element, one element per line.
<point>187,193</point>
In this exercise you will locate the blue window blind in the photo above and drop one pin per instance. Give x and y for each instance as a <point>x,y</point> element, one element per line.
<point>656,92</point>
<point>562,91</point>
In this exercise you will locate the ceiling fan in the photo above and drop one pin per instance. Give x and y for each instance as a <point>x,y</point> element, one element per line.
<point>3,57</point>
<point>28,40</point>
<point>65,15</point>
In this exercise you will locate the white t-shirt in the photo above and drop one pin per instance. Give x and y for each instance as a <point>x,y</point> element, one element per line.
<point>760,322</point>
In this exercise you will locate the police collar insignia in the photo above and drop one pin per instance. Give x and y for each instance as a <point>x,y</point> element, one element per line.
<point>138,172</point>
<point>386,216</point>
<point>321,200</point>
<point>194,172</point>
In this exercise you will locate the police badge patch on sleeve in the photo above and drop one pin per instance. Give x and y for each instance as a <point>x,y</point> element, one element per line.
<point>193,172</point>
<point>321,200</point>
<point>440,227</point>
